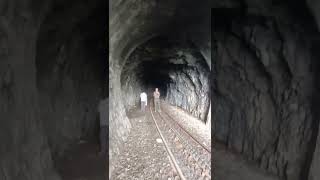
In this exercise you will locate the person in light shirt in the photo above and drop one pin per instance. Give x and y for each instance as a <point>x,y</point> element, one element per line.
<point>144,101</point>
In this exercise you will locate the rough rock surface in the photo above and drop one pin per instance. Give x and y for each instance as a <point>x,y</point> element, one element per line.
<point>31,126</point>
<point>71,73</point>
<point>24,153</point>
<point>131,85</point>
<point>190,91</point>
<point>265,68</point>
<point>282,42</point>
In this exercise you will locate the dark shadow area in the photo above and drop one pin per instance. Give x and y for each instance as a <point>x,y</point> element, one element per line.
<point>156,77</point>
<point>315,106</point>
<point>72,78</point>
<point>81,161</point>
<point>53,73</point>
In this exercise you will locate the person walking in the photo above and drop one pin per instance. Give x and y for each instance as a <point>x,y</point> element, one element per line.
<point>144,101</point>
<point>156,99</point>
<point>103,109</point>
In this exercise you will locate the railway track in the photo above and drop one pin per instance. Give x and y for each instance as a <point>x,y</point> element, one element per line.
<point>191,159</point>
<point>208,149</point>
<point>172,158</point>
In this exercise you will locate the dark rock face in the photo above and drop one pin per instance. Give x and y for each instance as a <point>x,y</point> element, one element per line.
<point>314,7</point>
<point>71,76</point>
<point>189,86</point>
<point>24,153</point>
<point>32,70</point>
<point>190,90</point>
<point>131,85</point>
<point>265,69</point>
<point>314,170</point>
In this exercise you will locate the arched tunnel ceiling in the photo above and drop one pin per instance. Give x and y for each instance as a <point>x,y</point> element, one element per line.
<point>163,54</point>
<point>134,22</point>
<point>130,28</point>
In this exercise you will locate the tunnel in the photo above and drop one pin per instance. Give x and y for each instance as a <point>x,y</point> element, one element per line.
<point>173,65</point>
<point>262,62</point>
<point>246,71</point>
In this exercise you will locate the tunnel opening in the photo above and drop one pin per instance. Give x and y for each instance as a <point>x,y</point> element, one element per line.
<point>156,77</point>
<point>174,65</point>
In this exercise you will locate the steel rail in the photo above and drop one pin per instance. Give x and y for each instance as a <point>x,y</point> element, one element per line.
<point>192,137</point>
<point>168,149</point>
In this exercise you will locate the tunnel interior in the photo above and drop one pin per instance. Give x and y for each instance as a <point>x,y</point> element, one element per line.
<point>265,76</point>
<point>175,66</point>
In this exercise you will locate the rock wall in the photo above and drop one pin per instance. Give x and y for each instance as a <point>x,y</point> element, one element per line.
<point>314,170</point>
<point>315,154</point>
<point>264,90</point>
<point>71,76</point>
<point>190,91</point>
<point>24,153</point>
<point>314,6</point>
<point>131,85</point>
<point>31,128</point>
<point>189,85</point>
